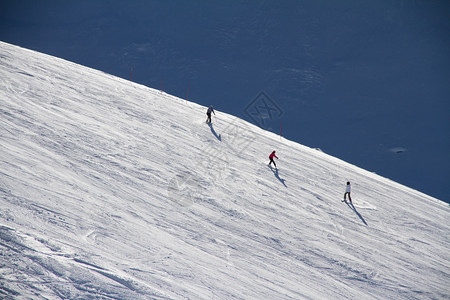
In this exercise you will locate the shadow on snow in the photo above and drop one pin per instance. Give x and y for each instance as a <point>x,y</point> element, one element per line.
<point>214,132</point>
<point>275,172</point>
<point>356,212</point>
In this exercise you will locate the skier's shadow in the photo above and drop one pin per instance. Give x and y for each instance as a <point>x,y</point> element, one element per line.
<point>275,172</point>
<point>356,212</point>
<point>219,137</point>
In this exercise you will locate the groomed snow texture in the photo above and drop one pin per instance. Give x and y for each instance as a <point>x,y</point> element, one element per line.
<point>112,190</point>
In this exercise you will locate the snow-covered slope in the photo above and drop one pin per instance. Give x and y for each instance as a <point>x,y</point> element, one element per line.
<point>113,190</point>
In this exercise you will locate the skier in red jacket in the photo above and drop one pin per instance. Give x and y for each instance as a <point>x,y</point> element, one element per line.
<point>271,156</point>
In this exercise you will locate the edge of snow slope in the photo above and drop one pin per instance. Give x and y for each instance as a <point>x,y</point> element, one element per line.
<point>113,190</point>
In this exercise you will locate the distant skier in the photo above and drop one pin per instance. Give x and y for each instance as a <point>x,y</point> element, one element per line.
<point>348,190</point>
<point>208,113</point>
<point>271,156</point>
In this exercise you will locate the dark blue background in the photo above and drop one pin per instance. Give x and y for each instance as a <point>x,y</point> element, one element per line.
<point>358,79</point>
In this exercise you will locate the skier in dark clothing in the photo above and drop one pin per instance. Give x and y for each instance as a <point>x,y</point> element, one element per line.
<point>208,113</point>
<point>271,156</point>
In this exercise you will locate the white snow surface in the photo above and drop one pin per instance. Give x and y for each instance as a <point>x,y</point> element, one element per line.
<point>113,190</point>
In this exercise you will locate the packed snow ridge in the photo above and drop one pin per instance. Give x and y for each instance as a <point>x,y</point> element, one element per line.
<point>113,190</point>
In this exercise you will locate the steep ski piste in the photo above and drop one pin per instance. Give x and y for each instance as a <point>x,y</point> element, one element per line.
<point>113,190</point>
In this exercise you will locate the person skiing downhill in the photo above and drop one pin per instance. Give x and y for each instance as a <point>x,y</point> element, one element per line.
<point>208,113</point>
<point>348,190</point>
<point>271,156</point>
